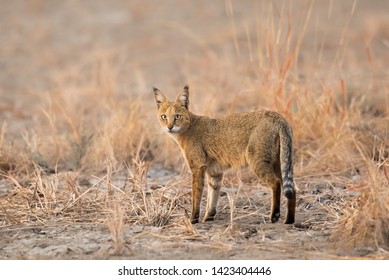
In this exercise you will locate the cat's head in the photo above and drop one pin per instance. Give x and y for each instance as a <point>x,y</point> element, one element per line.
<point>173,116</point>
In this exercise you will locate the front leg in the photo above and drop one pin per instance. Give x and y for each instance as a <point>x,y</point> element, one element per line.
<point>214,184</point>
<point>197,191</point>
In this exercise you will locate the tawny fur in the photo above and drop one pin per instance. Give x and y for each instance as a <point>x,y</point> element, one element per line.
<point>261,140</point>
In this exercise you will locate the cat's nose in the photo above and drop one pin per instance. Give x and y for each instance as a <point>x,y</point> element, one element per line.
<point>170,127</point>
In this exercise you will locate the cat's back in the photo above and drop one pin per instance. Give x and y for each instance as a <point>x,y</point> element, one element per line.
<point>240,123</point>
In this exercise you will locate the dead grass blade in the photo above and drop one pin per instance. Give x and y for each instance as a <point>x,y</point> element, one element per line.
<point>115,223</point>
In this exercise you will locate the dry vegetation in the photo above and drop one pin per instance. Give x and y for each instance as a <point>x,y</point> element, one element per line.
<point>86,173</point>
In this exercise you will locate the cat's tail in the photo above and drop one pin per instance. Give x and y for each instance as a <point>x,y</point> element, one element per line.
<point>286,159</point>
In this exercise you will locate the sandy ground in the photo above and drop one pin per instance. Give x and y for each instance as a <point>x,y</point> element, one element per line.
<point>249,236</point>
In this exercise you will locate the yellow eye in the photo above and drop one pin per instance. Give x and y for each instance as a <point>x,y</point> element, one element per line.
<point>177,117</point>
<point>164,117</point>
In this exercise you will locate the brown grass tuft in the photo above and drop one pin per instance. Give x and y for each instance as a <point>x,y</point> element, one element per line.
<point>365,221</point>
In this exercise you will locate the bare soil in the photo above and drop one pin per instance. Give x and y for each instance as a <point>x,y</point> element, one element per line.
<point>250,234</point>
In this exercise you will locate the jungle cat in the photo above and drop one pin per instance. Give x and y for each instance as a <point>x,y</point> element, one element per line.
<point>261,140</point>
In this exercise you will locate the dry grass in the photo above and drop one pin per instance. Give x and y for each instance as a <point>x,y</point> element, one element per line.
<point>365,220</point>
<point>86,154</point>
<point>115,223</point>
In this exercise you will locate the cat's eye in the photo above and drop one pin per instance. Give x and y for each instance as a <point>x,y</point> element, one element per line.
<point>177,117</point>
<point>164,117</point>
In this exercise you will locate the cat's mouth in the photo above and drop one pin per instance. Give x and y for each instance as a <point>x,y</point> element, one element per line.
<point>174,129</point>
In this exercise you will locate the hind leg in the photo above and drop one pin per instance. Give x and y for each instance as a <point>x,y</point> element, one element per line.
<point>276,201</point>
<point>263,158</point>
<point>214,184</point>
<point>267,174</point>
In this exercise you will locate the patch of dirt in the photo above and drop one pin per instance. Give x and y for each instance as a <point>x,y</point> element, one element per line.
<point>249,235</point>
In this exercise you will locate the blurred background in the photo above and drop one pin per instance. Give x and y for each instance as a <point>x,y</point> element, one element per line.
<point>70,70</point>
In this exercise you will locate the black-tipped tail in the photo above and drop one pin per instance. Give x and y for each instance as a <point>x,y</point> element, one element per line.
<point>288,192</point>
<point>286,160</point>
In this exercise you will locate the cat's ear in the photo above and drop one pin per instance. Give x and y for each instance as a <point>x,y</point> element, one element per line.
<point>159,97</point>
<point>183,98</point>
